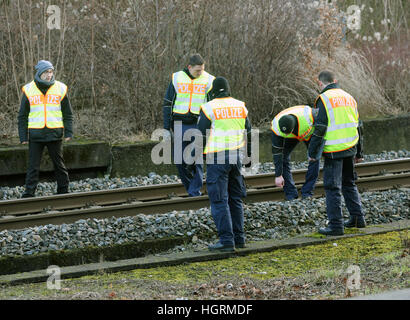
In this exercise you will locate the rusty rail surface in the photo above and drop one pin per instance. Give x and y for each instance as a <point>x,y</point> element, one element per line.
<point>152,199</point>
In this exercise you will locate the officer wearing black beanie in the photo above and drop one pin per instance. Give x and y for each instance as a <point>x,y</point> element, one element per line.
<point>289,127</point>
<point>287,123</point>
<point>220,88</point>
<point>224,116</point>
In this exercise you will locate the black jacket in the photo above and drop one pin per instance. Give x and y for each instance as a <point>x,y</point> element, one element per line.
<point>321,122</point>
<point>45,134</point>
<point>169,100</point>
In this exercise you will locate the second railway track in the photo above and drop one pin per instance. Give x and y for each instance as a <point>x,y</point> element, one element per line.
<point>59,209</point>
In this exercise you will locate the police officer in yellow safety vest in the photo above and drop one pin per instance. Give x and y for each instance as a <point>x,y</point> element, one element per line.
<point>288,128</point>
<point>44,119</point>
<point>188,89</point>
<point>338,125</point>
<point>224,122</point>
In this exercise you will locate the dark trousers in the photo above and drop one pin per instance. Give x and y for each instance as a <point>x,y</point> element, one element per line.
<point>226,188</point>
<point>311,175</point>
<point>192,181</point>
<point>339,178</point>
<point>55,150</point>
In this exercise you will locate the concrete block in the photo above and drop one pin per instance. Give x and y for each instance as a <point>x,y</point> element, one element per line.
<point>77,155</point>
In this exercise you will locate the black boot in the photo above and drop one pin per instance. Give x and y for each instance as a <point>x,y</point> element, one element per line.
<point>221,247</point>
<point>331,232</point>
<point>355,222</point>
<point>62,190</point>
<point>27,195</point>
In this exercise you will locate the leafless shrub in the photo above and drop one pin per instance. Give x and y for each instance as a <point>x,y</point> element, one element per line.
<point>356,77</point>
<point>117,57</point>
<point>384,40</point>
<point>328,50</point>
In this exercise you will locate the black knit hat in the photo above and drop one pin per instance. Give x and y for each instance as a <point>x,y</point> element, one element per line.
<point>220,85</point>
<point>287,123</point>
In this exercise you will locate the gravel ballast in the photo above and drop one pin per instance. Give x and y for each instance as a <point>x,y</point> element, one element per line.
<point>106,183</point>
<point>265,220</point>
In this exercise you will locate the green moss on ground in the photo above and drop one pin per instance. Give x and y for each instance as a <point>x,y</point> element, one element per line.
<point>312,272</point>
<point>281,262</point>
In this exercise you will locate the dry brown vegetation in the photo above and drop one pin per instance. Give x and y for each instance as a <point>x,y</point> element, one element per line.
<point>117,57</point>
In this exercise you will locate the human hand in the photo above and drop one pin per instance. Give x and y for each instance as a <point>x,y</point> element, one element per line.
<point>279,182</point>
<point>248,165</point>
<point>67,139</point>
<point>312,159</point>
<point>358,160</point>
<point>24,142</point>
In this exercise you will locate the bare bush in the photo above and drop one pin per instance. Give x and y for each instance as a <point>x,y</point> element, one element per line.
<point>117,57</point>
<point>354,75</point>
<point>354,70</point>
<point>383,38</point>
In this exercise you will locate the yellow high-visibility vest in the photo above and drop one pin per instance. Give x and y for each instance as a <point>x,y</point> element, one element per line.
<point>45,110</point>
<point>191,93</point>
<point>343,120</point>
<point>228,116</point>
<point>305,120</point>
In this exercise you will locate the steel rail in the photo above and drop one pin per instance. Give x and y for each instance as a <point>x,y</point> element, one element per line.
<point>167,191</point>
<point>363,170</point>
<point>181,204</point>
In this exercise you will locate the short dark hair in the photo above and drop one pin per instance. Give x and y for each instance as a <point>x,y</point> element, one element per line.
<point>326,77</point>
<point>196,60</point>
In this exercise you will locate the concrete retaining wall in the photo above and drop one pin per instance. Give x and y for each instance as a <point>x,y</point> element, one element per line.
<point>88,159</point>
<point>91,159</point>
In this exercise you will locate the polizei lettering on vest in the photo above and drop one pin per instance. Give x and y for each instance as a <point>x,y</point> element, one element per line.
<point>229,113</point>
<point>342,102</point>
<point>35,100</point>
<point>174,310</point>
<point>53,99</point>
<point>191,88</point>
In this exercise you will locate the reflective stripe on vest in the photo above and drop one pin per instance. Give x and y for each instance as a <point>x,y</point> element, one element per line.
<point>45,110</point>
<point>305,122</point>
<point>191,93</point>
<point>228,124</point>
<point>343,120</point>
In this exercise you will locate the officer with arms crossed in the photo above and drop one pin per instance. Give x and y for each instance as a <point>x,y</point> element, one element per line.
<point>338,125</point>
<point>188,90</point>
<point>288,128</point>
<point>227,120</point>
<point>45,117</point>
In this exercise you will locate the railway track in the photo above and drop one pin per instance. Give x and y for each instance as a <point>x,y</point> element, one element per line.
<point>59,209</point>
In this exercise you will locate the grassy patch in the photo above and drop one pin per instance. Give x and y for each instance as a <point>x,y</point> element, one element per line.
<point>317,271</point>
<point>353,231</point>
<point>282,262</point>
<point>316,235</point>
